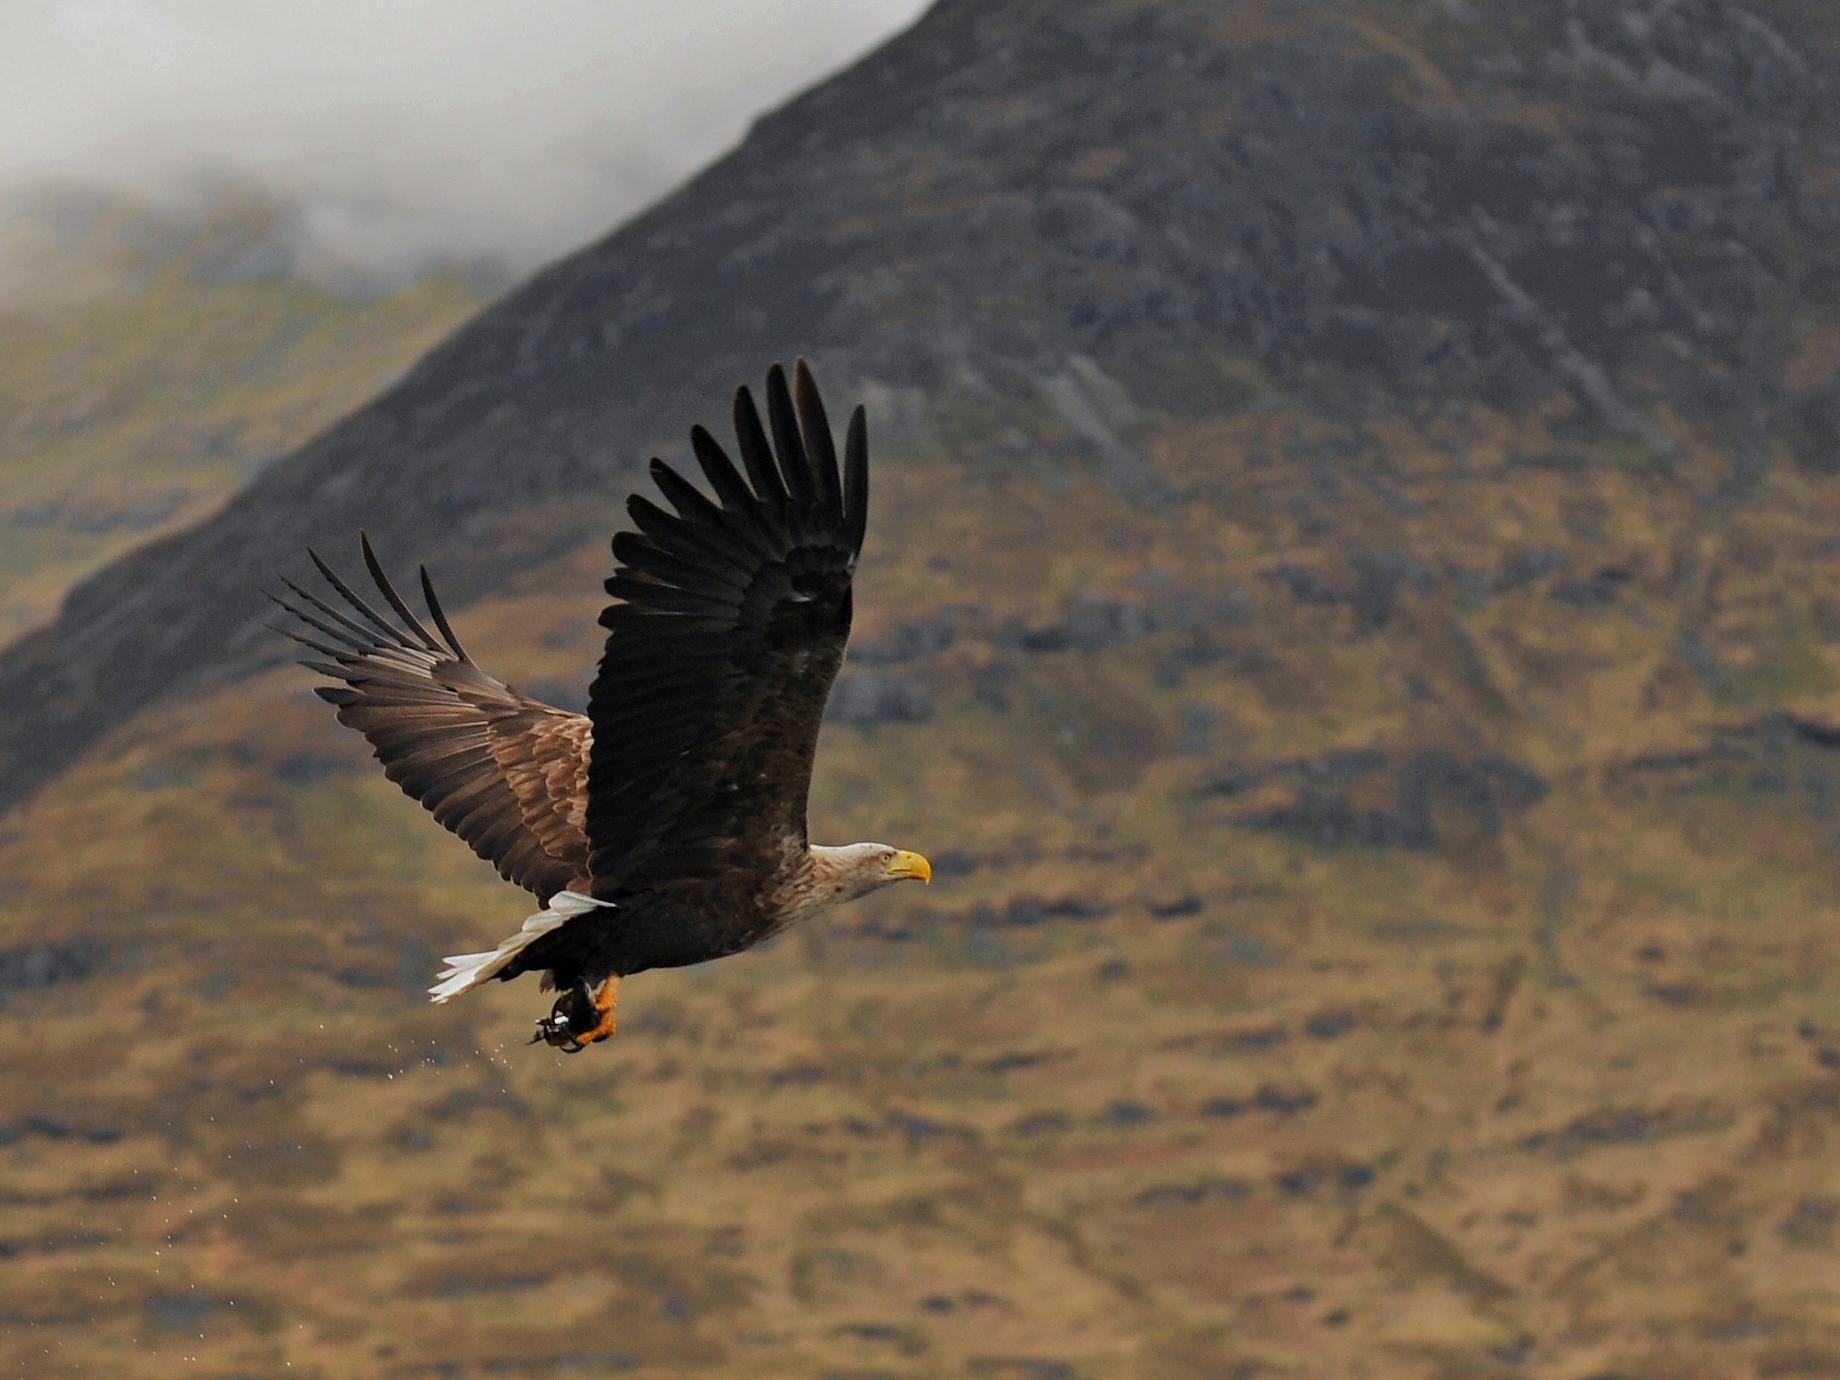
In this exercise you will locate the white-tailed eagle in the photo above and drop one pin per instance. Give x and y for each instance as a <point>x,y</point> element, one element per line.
<point>667,825</point>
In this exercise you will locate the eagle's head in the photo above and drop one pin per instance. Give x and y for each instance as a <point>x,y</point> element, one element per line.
<point>856,869</point>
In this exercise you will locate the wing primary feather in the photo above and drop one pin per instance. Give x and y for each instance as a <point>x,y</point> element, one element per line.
<point>787,444</point>
<point>361,637</point>
<point>720,471</point>
<point>440,618</point>
<point>655,522</point>
<point>674,626</point>
<point>352,645</point>
<point>756,454</point>
<point>856,481</point>
<point>377,620</point>
<point>745,540</point>
<point>396,600</point>
<point>687,571</point>
<point>319,647</point>
<point>819,443</point>
<point>672,533</point>
<point>669,598</point>
<point>687,543</point>
<point>692,504</point>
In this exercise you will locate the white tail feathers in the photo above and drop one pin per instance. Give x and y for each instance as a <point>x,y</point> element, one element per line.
<point>466,971</point>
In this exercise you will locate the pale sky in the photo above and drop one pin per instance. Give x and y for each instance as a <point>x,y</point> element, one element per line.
<point>512,128</point>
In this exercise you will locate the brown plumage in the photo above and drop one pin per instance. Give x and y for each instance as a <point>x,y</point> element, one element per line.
<point>666,826</point>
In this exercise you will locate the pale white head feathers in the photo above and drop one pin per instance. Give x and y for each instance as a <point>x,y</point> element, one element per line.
<point>843,874</point>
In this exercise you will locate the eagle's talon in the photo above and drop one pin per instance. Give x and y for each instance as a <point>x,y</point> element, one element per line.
<point>582,1016</point>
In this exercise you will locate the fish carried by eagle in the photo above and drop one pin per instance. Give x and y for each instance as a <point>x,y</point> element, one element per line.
<point>667,825</point>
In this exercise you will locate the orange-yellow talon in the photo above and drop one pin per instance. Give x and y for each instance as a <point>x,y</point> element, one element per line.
<point>563,1028</point>
<point>606,998</point>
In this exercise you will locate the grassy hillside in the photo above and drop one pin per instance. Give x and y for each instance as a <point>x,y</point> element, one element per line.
<point>150,361</point>
<point>1382,928</point>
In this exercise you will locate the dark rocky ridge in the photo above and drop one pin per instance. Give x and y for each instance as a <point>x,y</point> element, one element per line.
<point>1107,214</point>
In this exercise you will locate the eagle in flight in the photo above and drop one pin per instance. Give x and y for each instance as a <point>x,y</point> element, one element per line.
<point>667,825</point>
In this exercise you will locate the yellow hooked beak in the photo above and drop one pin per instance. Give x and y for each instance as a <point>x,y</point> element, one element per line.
<point>904,865</point>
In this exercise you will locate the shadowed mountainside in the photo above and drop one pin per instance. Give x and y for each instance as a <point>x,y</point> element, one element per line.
<point>1350,608</point>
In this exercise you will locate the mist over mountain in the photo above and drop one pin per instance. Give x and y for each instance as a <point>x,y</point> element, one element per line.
<point>412,134</point>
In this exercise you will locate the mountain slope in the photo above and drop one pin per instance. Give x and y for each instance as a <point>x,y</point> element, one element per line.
<point>1046,222</point>
<point>151,361</point>
<point>1375,724</point>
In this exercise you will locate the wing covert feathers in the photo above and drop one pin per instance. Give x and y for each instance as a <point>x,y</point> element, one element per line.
<point>506,773</point>
<point>727,628</point>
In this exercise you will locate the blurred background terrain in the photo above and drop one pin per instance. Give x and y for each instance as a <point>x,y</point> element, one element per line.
<point>1351,611</point>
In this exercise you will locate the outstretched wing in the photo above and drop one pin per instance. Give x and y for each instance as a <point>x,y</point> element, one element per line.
<point>505,772</point>
<point>727,629</point>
